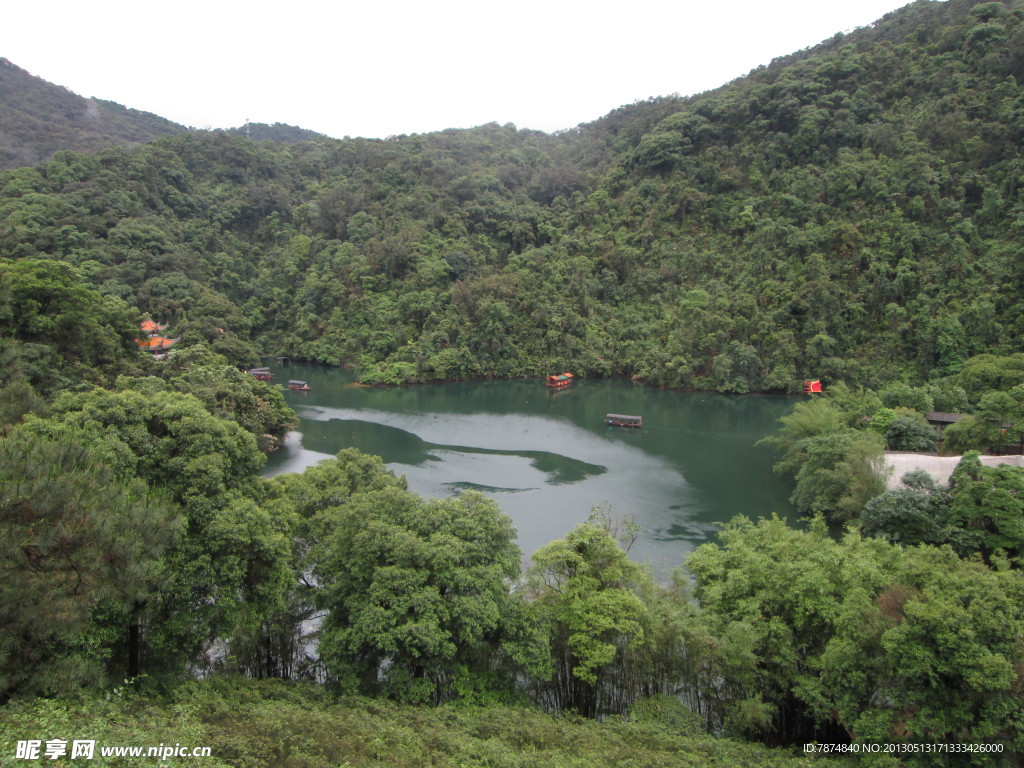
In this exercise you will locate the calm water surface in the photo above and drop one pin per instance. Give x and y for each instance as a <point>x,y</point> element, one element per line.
<point>548,459</point>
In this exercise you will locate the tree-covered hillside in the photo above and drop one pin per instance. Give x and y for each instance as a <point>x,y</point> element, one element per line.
<point>286,134</point>
<point>39,118</point>
<point>851,211</point>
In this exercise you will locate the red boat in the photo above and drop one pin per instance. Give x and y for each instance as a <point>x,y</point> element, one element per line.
<point>560,380</point>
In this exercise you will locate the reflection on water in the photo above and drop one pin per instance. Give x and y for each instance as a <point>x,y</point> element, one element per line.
<point>549,461</point>
<point>490,490</point>
<point>404,444</point>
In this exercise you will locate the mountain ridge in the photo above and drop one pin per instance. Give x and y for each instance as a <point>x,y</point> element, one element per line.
<point>40,119</point>
<point>849,214</point>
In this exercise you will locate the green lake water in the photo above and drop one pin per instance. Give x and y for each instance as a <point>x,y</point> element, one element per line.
<point>548,459</point>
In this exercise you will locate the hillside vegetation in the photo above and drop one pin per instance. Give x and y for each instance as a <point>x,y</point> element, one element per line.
<point>39,119</point>
<point>852,213</point>
<point>849,212</point>
<point>285,726</point>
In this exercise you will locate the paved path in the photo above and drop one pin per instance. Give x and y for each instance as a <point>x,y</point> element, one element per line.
<point>939,467</point>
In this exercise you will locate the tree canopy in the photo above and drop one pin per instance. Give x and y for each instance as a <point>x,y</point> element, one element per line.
<point>846,213</point>
<point>850,213</point>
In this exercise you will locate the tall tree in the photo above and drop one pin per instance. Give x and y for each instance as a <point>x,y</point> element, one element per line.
<point>207,465</point>
<point>417,593</point>
<point>84,564</point>
<point>585,595</point>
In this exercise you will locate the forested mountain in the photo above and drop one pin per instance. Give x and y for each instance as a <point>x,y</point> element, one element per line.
<point>286,134</point>
<point>39,118</point>
<point>851,211</point>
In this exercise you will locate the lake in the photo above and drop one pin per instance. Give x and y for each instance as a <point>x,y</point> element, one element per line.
<point>548,458</point>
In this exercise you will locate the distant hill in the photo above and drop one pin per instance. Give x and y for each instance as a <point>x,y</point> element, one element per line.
<point>282,132</point>
<point>850,212</point>
<point>39,118</point>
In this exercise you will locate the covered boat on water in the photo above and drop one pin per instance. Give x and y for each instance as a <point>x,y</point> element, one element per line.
<point>623,420</point>
<point>560,380</point>
<point>263,374</point>
<point>299,385</point>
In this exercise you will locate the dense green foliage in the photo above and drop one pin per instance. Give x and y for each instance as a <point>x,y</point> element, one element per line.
<point>287,134</point>
<point>835,460</point>
<point>587,601</point>
<point>229,556</point>
<point>276,725</point>
<point>55,332</point>
<point>980,513</point>
<point>83,559</point>
<point>611,635</point>
<point>866,637</point>
<point>832,445</point>
<point>850,212</point>
<point>416,592</point>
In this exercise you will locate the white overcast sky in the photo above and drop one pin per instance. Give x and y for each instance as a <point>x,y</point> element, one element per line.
<point>386,68</point>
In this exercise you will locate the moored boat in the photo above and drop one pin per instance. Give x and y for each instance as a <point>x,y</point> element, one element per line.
<point>560,380</point>
<point>263,374</point>
<point>623,420</point>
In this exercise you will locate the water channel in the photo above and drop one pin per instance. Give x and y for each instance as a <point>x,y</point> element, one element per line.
<point>548,458</point>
